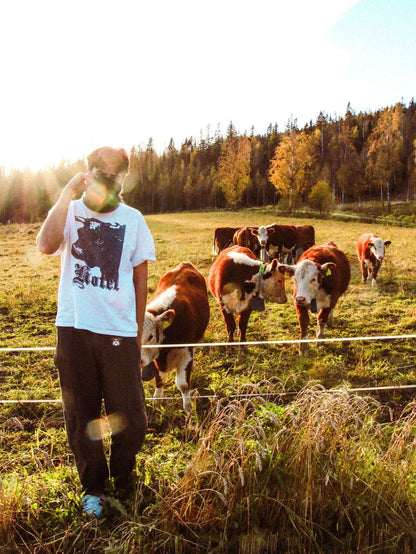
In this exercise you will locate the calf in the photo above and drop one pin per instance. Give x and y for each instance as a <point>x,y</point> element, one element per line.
<point>371,250</point>
<point>254,238</point>
<point>321,276</point>
<point>236,278</point>
<point>178,312</point>
<point>282,241</point>
<point>223,238</point>
<point>305,238</point>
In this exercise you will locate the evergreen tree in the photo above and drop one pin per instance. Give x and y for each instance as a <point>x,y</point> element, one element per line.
<point>384,154</point>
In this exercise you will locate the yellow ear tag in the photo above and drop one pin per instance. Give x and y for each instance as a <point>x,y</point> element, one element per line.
<point>328,271</point>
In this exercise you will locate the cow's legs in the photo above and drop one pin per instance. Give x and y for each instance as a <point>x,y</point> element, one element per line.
<point>323,317</point>
<point>160,380</point>
<point>229,324</point>
<point>242,327</point>
<point>303,317</point>
<point>364,271</point>
<point>376,267</point>
<point>183,360</point>
<point>299,252</point>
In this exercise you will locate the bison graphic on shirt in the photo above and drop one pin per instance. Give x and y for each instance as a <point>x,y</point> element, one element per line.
<point>99,245</point>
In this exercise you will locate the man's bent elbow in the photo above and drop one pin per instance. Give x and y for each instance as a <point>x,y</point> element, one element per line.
<point>45,246</point>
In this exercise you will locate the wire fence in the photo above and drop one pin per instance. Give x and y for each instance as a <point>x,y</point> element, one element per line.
<point>196,396</point>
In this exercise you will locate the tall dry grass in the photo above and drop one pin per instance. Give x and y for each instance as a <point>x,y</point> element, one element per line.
<point>328,472</point>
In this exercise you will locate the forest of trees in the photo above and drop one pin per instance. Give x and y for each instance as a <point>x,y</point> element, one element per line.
<point>356,157</point>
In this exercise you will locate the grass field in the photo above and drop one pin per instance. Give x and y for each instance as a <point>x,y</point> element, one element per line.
<point>315,466</point>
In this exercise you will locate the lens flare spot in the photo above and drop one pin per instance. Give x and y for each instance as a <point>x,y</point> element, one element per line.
<point>98,194</point>
<point>117,422</point>
<point>96,429</point>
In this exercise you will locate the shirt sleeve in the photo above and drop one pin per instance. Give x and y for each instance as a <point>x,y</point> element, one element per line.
<point>145,246</point>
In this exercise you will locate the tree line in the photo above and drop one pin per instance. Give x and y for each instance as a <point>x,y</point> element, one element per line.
<point>355,158</point>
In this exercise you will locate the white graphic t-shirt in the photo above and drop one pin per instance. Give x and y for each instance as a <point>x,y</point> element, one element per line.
<point>96,290</point>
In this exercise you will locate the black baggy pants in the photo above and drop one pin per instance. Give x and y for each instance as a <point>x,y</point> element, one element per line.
<point>93,367</point>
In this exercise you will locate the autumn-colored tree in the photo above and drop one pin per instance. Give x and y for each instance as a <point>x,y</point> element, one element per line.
<point>412,175</point>
<point>234,167</point>
<point>409,132</point>
<point>290,163</point>
<point>384,153</point>
<point>321,198</point>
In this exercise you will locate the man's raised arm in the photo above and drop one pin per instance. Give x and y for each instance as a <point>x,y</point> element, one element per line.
<point>51,234</point>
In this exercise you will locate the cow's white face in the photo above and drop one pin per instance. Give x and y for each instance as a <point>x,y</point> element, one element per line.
<point>308,279</point>
<point>378,248</point>
<point>154,325</point>
<point>262,235</point>
<point>152,335</point>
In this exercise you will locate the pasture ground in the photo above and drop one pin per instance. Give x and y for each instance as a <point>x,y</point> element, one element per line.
<point>39,491</point>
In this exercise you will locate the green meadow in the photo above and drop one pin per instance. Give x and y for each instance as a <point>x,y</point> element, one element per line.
<point>285,453</point>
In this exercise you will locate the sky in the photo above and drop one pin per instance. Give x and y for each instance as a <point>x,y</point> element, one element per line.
<point>80,74</point>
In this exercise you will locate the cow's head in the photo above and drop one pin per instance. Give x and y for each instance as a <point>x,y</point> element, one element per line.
<point>271,282</point>
<point>378,247</point>
<point>308,277</point>
<point>268,283</point>
<point>153,333</point>
<point>262,234</point>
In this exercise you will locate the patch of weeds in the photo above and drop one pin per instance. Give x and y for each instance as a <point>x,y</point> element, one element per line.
<point>330,371</point>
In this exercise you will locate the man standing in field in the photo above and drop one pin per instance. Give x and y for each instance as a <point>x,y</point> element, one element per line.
<point>105,247</point>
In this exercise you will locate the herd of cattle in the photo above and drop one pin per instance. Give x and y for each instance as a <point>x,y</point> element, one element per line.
<point>249,268</point>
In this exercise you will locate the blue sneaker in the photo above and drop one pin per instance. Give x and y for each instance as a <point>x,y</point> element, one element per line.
<point>93,505</point>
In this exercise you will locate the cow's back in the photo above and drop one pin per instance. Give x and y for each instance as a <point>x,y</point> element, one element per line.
<point>223,237</point>
<point>190,303</point>
<point>244,237</point>
<point>305,236</point>
<point>225,270</point>
<point>338,280</point>
<point>283,235</point>
<point>363,248</point>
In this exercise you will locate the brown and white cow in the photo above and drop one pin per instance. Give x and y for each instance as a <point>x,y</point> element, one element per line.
<point>321,276</point>
<point>237,279</point>
<point>178,312</point>
<point>282,241</point>
<point>305,238</point>
<point>371,251</point>
<point>223,238</point>
<point>254,238</point>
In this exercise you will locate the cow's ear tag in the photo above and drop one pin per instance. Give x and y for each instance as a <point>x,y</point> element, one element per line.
<point>261,269</point>
<point>328,271</point>
<point>257,303</point>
